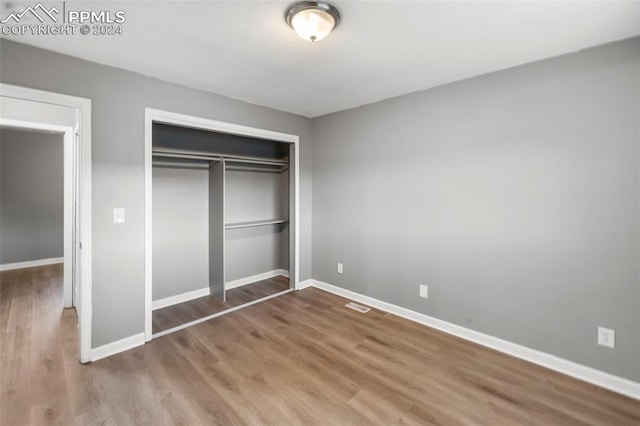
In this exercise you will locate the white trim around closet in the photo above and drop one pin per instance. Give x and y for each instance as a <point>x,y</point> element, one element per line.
<point>158,116</point>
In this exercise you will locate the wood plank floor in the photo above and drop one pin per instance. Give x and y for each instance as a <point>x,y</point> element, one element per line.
<point>183,313</point>
<point>301,358</point>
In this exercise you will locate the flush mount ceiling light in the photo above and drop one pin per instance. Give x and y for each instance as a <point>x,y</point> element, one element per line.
<point>312,20</point>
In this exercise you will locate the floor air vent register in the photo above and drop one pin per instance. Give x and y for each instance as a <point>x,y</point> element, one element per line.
<point>356,307</point>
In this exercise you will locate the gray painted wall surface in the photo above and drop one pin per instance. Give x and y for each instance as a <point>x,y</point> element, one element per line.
<point>118,101</point>
<point>252,251</point>
<point>216,229</point>
<point>169,136</point>
<point>514,196</point>
<point>180,231</point>
<point>32,196</point>
<point>255,196</point>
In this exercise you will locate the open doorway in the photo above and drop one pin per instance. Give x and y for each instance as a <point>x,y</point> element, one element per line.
<point>36,204</point>
<point>46,185</point>
<point>35,281</point>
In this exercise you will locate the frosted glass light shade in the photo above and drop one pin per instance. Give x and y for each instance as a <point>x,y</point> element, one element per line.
<point>312,20</point>
<point>313,24</point>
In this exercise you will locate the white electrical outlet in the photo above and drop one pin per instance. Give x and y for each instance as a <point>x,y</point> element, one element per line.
<point>424,291</point>
<point>606,337</point>
<point>340,268</point>
<point>118,215</point>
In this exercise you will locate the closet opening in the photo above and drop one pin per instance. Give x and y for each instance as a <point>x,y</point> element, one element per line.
<point>221,209</point>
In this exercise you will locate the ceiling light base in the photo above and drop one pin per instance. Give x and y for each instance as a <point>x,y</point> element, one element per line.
<point>312,20</point>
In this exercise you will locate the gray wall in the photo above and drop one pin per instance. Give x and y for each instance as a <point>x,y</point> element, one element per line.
<point>252,251</point>
<point>255,196</point>
<point>32,196</point>
<point>180,231</point>
<point>118,101</point>
<point>514,196</point>
<point>176,137</point>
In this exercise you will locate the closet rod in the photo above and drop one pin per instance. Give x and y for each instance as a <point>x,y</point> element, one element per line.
<point>247,161</point>
<point>177,164</point>
<point>205,155</point>
<point>255,169</point>
<point>211,158</point>
<point>204,166</point>
<point>186,157</point>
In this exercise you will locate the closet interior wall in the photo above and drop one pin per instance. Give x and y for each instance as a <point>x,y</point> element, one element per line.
<point>251,197</point>
<point>217,220</point>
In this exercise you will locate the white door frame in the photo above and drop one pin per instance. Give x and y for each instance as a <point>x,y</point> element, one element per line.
<point>158,116</point>
<point>77,146</point>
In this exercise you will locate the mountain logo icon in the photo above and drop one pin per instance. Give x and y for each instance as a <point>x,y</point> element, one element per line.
<point>39,11</point>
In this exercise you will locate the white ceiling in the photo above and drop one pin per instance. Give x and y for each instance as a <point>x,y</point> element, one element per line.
<point>382,49</point>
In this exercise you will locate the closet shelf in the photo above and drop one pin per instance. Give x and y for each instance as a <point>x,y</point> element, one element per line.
<point>236,225</point>
<point>211,156</point>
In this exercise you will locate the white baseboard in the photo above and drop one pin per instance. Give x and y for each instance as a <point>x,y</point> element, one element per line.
<point>252,279</point>
<point>600,378</point>
<point>304,284</point>
<point>185,297</point>
<point>180,298</point>
<point>31,264</point>
<point>117,346</point>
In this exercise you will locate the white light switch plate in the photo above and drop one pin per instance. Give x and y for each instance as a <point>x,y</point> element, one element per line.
<point>340,268</point>
<point>118,215</point>
<point>424,291</point>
